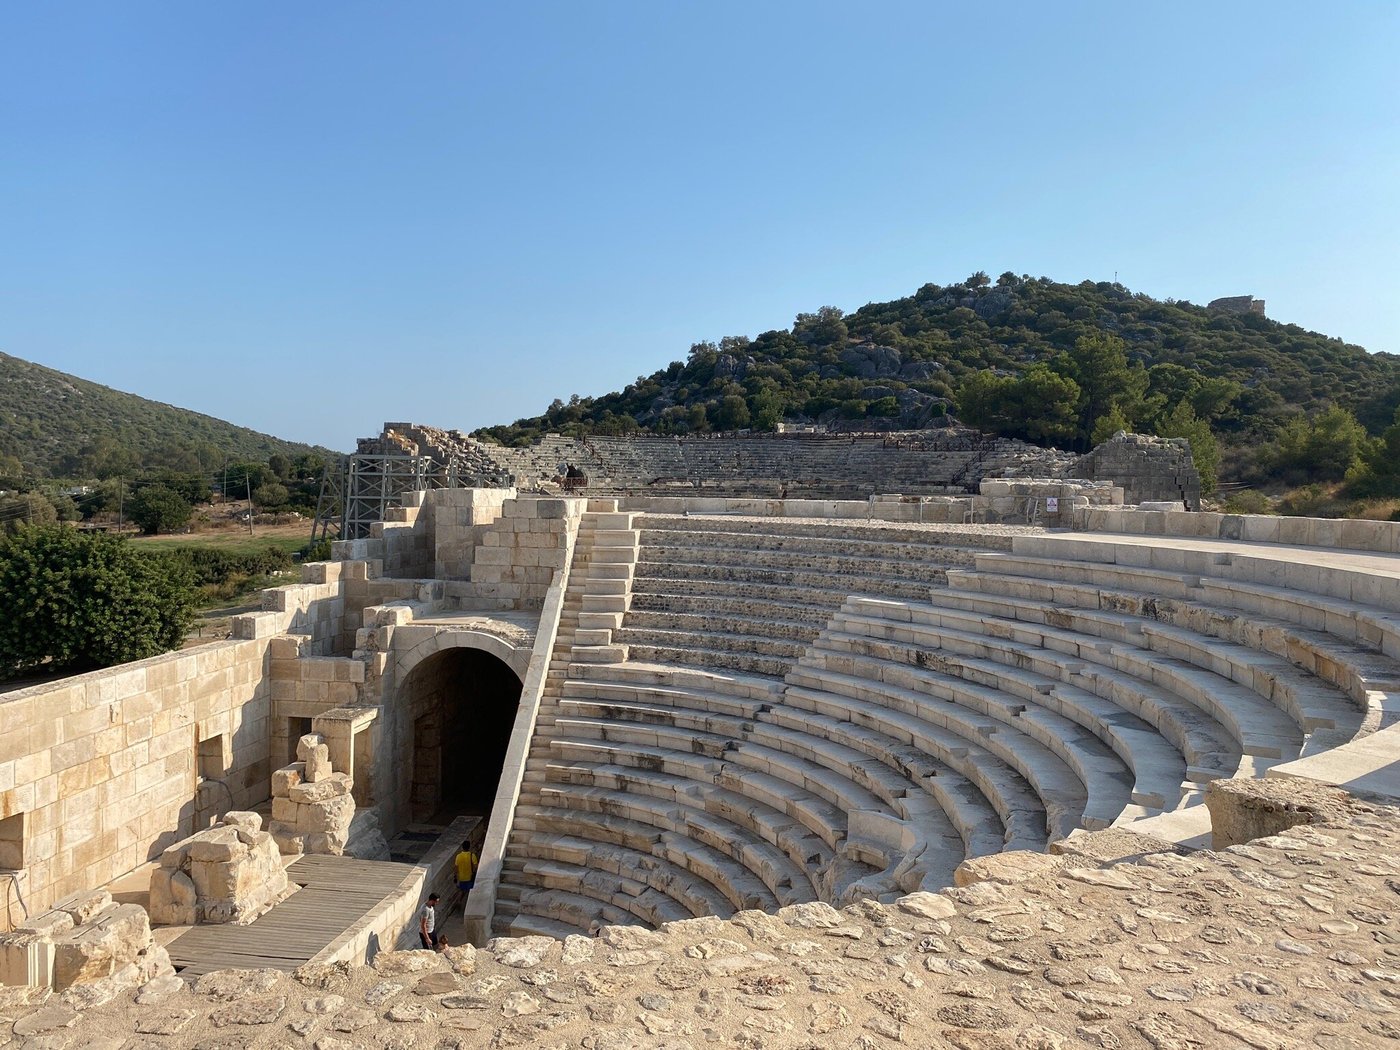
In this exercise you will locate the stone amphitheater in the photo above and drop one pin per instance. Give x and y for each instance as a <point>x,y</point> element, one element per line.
<point>748,771</point>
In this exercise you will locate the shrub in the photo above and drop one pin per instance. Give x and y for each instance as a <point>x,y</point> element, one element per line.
<point>159,508</point>
<point>77,602</point>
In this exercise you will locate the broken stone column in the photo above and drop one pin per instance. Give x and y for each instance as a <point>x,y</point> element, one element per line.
<point>312,807</point>
<point>229,873</point>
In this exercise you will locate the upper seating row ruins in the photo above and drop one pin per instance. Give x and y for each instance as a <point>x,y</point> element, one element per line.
<point>812,465</point>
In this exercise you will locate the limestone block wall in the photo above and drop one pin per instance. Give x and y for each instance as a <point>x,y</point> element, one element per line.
<point>459,520</point>
<point>518,556</point>
<point>1148,468</point>
<point>314,608</point>
<point>100,772</point>
<point>303,687</point>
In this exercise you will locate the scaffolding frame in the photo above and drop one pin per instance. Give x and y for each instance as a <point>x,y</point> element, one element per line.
<point>358,491</point>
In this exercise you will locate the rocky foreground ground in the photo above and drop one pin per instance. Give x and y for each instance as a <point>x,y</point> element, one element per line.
<point>1287,941</point>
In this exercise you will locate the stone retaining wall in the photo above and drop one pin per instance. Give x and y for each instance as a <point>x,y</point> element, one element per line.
<point>102,771</point>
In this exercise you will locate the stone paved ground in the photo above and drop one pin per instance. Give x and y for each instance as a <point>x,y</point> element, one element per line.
<point>1287,941</point>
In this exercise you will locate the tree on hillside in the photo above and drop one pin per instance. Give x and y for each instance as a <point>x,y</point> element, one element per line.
<point>159,508</point>
<point>31,508</point>
<point>1039,405</point>
<point>1098,362</point>
<point>1182,422</point>
<point>76,601</point>
<point>1322,448</point>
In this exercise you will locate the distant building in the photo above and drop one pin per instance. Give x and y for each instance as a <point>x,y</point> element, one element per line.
<point>1238,304</point>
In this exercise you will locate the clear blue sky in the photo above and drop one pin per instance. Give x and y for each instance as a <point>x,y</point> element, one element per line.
<point>312,217</point>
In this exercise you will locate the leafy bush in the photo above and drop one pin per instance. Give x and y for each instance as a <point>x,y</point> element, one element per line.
<point>76,601</point>
<point>1248,501</point>
<point>213,566</point>
<point>318,551</point>
<point>159,508</point>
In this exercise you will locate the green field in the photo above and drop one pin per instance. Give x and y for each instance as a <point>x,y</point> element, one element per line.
<point>237,542</point>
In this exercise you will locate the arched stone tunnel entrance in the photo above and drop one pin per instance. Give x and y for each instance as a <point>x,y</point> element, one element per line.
<point>460,705</point>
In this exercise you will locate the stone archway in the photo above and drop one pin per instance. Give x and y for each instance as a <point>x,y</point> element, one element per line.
<point>458,705</point>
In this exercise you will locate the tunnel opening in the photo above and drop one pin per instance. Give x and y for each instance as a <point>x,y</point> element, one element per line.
<point>462,703</point>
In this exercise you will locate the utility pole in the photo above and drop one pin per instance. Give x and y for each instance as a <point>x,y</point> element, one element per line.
<point>121,503</point>
<point>248,478</point>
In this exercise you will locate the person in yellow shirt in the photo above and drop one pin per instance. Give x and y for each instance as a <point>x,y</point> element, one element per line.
<point>466,867</point>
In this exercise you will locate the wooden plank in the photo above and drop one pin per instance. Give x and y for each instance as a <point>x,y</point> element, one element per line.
<point>335,893</point>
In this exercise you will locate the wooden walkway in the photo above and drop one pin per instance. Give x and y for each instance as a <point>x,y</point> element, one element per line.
<point>336,892</point>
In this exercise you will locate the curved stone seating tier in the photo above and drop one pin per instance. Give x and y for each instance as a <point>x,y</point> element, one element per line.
<point>1260,729</point>
<point>1326,644</point>
<point>899,776</point>
<point>805,715</point>
<point>1027,779</point>
<point>559,912</point>
<point>789,880</point>
<point>750,594</point>
<point>1237,583</point>
<point>784,765</point>
<point>1310,701</point>
<point>734,882</point>
<point>1128,770</point>
<point>629,891</point>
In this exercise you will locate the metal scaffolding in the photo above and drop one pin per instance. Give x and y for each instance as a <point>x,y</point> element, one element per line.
<point>357,491</point>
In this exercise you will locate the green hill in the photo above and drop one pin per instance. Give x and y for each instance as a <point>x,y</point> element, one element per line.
<point>1000,353</point>
<point>61,426</point>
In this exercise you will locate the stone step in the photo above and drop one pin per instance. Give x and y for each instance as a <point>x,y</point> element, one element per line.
<point>1260,729</point>
<point>898,565</point>
<point>789,880</point>
<point>593,621</point>
<point>1310,702</point>
<point>642,902</point>
<point>816,613</point>
<point>599,654</point>
<point>1232,615</point>
<point>726,683</point>
<point>975,745</point>
<point>693,578</point>
<point>695,658</point>
<point>609,570</point>
<point>604,603</point>
<point>689,633</point>
<point>648,620</point>
<point>783,767</point>
<point>952,535</point>
<point>740,886</point>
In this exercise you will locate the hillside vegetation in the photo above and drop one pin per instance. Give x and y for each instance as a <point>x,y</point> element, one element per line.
<point>1058,364</point>
<point>57,425</point>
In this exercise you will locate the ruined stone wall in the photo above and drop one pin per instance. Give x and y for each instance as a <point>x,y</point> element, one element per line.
<point>1237,304</point>
<point>832,466</point>
<point>1149,469</point>
<point>100,772</point>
